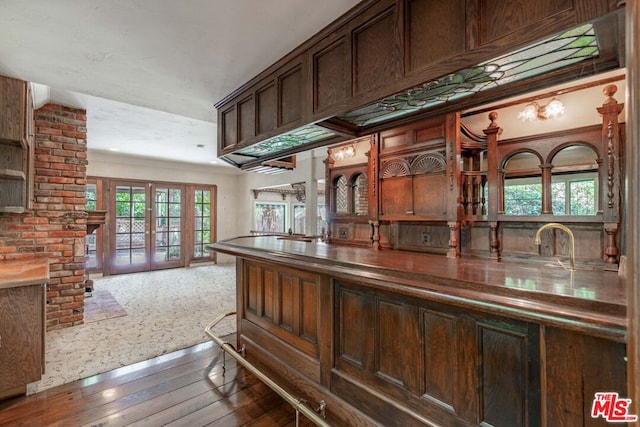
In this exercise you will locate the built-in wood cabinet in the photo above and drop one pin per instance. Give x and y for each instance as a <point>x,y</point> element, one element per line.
<point>405,348</point>
<point>380,48</point>
<point>16,145</point>
<point>22,329</point>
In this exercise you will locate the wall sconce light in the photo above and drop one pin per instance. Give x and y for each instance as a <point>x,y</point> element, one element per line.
<point>344,153</point>
<point>533,110</point>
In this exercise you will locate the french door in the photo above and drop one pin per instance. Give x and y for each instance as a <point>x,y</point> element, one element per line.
<point>147,231</point>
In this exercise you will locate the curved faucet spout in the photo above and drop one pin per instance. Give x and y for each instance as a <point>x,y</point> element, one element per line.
<point>572,256</point>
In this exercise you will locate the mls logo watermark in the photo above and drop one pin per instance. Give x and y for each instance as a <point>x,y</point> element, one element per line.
<point>612,408</point>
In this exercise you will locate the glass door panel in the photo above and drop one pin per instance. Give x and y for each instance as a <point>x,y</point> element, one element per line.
<point>131,234</point>
<point>202,223</point>
<point>167,227</point>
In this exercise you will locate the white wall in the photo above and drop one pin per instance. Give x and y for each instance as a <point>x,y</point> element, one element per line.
<point>230,208</point>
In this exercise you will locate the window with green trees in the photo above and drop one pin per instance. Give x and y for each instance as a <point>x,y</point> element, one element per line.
<point>202,222</point>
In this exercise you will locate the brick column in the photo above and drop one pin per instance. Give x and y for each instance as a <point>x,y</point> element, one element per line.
<point>56,226</point>
<point>60,185</point>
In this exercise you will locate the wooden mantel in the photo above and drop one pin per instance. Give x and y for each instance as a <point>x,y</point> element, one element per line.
<point>94,220</point>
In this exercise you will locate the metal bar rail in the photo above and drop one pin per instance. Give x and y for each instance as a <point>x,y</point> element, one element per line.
<point>298,404</point>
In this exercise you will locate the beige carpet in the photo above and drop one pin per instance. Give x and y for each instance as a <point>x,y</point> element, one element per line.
<point>165,311</point>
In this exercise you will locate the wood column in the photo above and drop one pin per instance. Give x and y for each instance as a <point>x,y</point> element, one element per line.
<point>632,153</point>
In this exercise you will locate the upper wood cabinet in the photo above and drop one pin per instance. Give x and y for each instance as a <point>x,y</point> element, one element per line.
<point>378,49</point>
<point>16,146</point>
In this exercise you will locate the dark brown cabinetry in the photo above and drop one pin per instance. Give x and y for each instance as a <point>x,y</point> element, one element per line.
<point>16,145</point>
<point>378,49</point>
<point>387,336</point>
<point>22,301</point>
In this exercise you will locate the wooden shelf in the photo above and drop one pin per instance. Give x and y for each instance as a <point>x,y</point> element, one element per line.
<point>19,143</point>
<point>12,174</point>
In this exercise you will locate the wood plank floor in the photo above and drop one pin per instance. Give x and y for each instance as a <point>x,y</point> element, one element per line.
<point>185,388</point>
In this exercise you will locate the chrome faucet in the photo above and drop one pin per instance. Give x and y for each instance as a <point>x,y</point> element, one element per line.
<point>572,255</point>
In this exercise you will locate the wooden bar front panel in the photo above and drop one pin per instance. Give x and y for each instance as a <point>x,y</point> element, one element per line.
<point>284,302</point>
<point>402,358</point>
<point>453,366</point>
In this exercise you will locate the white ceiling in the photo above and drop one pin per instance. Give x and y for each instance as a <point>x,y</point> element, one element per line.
<point>149,71</point>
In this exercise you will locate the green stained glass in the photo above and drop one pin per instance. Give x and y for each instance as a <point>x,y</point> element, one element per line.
<point>293,139</point>
<point>553,53</point>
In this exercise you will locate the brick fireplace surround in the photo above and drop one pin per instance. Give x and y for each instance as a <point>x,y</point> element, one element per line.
<point>56,226</point>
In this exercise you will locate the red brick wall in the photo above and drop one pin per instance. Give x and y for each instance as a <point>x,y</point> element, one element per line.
<point>56,227</point>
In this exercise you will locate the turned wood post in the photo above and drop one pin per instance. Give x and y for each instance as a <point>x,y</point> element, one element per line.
<point>610,182</point>
<point>494,178</point>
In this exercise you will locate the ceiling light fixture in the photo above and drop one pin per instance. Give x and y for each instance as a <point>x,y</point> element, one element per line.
<point>533,110</point>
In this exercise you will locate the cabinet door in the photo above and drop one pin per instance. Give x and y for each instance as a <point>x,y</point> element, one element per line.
<point>21,332</point>
<point>13,93</point>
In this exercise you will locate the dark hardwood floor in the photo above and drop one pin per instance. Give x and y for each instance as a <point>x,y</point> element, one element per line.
<point>185,388</point>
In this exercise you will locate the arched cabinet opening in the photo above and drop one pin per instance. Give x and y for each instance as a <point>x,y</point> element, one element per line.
<point>522,185</point>
<point>574,181</point>
<point>359,200</point>
<point>340,195</point>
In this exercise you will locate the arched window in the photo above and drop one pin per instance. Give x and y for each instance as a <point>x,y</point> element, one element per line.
<point>574,181</point>
<point>359,195</point>
<point>340,196</point>
<point>522,185</point>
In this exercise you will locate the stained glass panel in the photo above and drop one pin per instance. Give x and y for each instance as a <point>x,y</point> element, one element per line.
<point>293,139</point>
<point>551,54</point>
<point>340,191</point>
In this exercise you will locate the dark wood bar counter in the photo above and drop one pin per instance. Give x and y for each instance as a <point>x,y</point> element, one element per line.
<point>403,338</point>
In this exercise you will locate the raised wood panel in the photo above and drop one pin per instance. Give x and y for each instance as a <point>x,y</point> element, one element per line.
<point>389,345</point>
<point>291,96</point>
<point>270,295</point>
<point>421,34</point>
<point>288,301</point>
<point>308,310</point>
<point>12,114</point>
<point>504,373</point>
<point>229,128</point>
<point>428,195</point>
<point>21,331</point>
<point>12,157</point>
<point>393,140</point>
<point>393,194</point>
<point>352,327</point>
<point>421,236</point>
<point>604,369</point>
<point>284,302</point>
<point>246,118</point>
<point>252,286</point>
<point>375,52</point>
<point>440,361</point>
<point>466,380</point>
<point>576,367</point>
<point>330,75</point>
<point>425,134</point>
<point>266,105</point>
<point>518,238</point>
<point>500,18</point>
